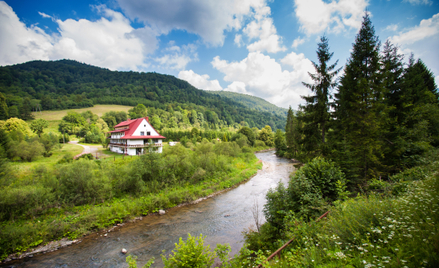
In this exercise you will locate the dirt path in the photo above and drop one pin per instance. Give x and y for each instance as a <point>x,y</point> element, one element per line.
<point>87,149</point>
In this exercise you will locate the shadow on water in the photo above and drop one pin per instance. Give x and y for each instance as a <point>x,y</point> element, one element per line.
<point>221,219</point>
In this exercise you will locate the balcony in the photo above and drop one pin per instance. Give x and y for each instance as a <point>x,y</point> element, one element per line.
<point>136,145</point>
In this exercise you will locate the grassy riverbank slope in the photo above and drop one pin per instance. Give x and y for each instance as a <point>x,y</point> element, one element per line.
<point>88,195</point>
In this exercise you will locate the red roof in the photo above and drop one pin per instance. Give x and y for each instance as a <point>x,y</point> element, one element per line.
<point>132,127</point>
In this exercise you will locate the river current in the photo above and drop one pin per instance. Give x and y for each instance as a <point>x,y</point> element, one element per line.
<point>222,219</point>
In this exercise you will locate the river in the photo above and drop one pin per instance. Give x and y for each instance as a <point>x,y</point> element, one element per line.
<point>222,219</point>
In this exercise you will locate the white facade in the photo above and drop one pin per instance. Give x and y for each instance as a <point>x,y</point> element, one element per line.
<point>132,138</point>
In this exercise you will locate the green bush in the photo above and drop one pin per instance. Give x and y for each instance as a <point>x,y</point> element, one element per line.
<point>82,182</point>
<point>309,191</point>
<point>259,143</point>
<point>194,254</point>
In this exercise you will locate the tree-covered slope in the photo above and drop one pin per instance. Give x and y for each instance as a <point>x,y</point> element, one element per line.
<point>63,84</point>
<point>252,102</point>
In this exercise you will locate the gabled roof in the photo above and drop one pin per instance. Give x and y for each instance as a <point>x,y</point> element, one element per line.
<point>132,127</point>
<point>128,122</point>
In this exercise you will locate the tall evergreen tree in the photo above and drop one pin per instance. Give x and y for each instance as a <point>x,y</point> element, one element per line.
<point>316,110</point>
<point>392,72</point>
<point>360,109</point>
<point>292,134</point>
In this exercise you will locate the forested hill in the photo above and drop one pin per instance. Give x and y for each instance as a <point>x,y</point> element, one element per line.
<point>65,84</point>
<point>253,102</point>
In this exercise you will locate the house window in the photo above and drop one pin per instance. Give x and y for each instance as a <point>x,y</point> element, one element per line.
<point>148,133</point>
<point>142,133</point>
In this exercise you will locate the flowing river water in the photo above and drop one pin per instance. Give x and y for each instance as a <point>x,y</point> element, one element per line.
<point>222,219</point>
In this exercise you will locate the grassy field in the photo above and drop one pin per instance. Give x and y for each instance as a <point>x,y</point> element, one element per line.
<point>48,162</point>
<point>97,109</point>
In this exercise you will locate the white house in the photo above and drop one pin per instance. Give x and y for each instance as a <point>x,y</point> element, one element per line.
<point>132,137</point>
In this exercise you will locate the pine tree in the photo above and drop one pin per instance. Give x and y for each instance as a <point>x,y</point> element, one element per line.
<point>392,71</point>
<point>418,118</point>
<point>316,110</point>
<point>360,109</point>
<point>292,134</point>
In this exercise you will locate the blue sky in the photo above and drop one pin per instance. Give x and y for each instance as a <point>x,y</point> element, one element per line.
<point>257,47</point>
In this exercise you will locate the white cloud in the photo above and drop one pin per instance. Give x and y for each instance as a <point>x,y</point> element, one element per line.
<point>419,2</point>
<point>44,15</point>
<point>316,16</point>
<point>238,87</point>
<point>297,42</point>
<point>111,42</point>
<point>200,81</point>
<point>176,58</point>
<point>238,40</point>
<point>107,42</point>
<point>421,40</point>
<point>262,76</point>
<point>392,27</point>
<point>206,18</point>
<point>427,28</point>
<point>263,28</point>
<point>20,43</point>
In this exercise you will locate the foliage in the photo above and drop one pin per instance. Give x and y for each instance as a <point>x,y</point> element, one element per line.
<point>67,84</point>
<point>249,134</point>
<point>77,197</point>
<point>25,150</point>
<point>137,112</point>
<point>358,108</point>
<point>267,136</point>
<point>316,110</point>
<point>18,126</point>
<point>38,126</point>
<point>279,142</point>
<point>308,192</point>
<point>190,253</point>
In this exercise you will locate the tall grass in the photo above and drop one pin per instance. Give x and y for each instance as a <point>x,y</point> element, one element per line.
<point>368,231</point>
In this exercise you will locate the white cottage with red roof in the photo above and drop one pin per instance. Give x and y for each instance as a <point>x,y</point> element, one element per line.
<point>131,137</point>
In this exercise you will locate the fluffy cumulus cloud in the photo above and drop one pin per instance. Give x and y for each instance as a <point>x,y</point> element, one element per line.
<point>316,16</point>
<point>426,29</point>
<point>20,43</point>
<point>206,18</point>
<point>200,81</point>
<point>262,76</point>
<point>422,40</point>
<point>176,58</point>
<point>297,42</point>
<point>263,30</point>
<point>108,42</point>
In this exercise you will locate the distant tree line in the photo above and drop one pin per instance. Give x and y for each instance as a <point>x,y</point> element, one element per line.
<point>67,84</point>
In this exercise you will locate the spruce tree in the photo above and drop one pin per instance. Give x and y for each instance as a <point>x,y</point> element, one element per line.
<point>292,133</point>
<point>392,72</point>
<point>360,109</point>
<point>316,110</point>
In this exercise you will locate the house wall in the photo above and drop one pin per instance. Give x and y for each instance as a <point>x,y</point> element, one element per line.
<point>116,149</point>
<point>145,127</point>
<point>131,151</point>
<point>135,142</point>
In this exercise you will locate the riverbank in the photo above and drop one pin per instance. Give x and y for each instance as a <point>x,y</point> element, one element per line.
<point>77,222</point>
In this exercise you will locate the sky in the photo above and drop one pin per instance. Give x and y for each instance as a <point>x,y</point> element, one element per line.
<point>263,48</point>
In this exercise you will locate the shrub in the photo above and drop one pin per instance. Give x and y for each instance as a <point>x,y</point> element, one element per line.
<point>192,253</point>
<point>81,182</point>
<point>259,143</point>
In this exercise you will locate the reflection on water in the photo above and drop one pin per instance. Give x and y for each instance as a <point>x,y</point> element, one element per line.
<point>221,219</point>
